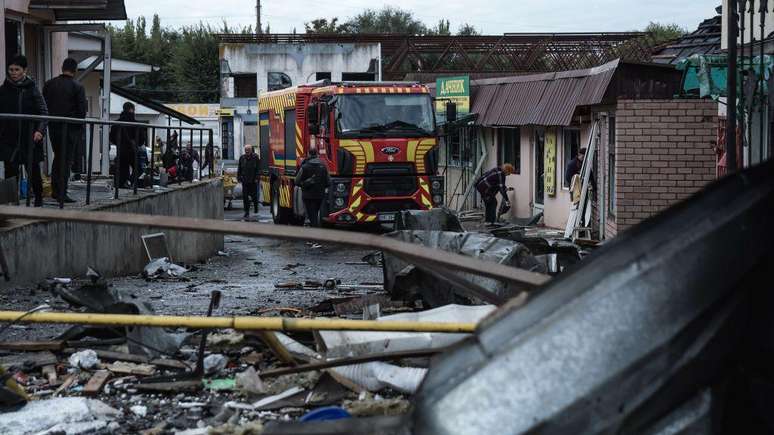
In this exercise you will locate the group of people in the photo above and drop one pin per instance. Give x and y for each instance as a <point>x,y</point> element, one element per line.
<point>492,182</point>
<point>21,142</point>
<point>312,178</point>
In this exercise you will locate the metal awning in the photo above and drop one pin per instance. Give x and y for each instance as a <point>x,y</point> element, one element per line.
<point>129,95</point>
<point>77,10</point>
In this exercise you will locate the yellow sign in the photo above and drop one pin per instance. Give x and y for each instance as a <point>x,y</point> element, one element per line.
<point>196,110</point>
<point>452,90</point>
<point>549,168</point>
<point>225,112</point>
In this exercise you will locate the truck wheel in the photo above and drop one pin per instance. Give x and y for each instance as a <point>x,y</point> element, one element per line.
<point>279,214</point>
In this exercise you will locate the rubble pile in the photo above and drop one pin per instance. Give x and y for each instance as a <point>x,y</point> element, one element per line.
<point>153,380</point>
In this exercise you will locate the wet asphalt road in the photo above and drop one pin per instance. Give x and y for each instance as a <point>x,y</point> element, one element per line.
<point>247,277</point>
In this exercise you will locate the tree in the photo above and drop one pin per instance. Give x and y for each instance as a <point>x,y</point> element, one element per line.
<point>442,29</point>
<point>467,30</point>
<point>323,25</point>
<point>195,65</point>
<point>664,32</point>
<point>386,20</point>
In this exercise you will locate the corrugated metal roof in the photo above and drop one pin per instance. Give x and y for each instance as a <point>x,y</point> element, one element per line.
<point>541,99</point>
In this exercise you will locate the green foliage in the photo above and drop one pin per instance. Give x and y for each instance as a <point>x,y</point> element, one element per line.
<point>389,19</point>
<point>664,32</point>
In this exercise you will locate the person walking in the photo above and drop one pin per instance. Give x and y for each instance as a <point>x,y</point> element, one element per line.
<point>247,174</point>
<point>125,139</point>
<point>488,185</point>
<point>313,178</point>
<point>20,95</point>
<point>64,97</point>
<point>574,166</point>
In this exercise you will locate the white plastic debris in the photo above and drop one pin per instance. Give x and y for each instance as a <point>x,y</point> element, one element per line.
<point>223,254</point>
<point>374,376</point>
<point>68,415</point>
<point>350,343</point>
<point>139,410</point>
<point>63,280</point>
<point>214,363</point>
<point>85,359</point>
<point>163,267</point>
<point>271,399</point>
<point>249,382</point>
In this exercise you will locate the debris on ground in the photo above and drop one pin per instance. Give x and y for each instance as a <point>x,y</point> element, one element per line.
<point>85,359</point>
<point>163,268</point>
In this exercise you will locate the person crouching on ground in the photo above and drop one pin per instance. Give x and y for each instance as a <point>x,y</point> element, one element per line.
<point>20,95</point>
<point>247,174</point>
<point>313,178</point>
<point>488,185</point>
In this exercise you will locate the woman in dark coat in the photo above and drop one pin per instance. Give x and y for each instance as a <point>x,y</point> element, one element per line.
<point>19,94</point>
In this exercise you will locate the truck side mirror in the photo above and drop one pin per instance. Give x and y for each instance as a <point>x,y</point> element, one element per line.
<point>312,117</point>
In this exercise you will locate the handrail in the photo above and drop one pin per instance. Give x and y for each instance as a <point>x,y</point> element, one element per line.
<point>203,159</point>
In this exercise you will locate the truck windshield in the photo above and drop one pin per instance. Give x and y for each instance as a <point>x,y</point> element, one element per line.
<point>384,115</point>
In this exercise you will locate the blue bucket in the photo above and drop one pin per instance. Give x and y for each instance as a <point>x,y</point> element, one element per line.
<point>327,413</point>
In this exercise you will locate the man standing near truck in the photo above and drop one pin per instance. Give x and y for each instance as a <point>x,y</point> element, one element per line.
<point>247,174</point>
<point>313,178</point>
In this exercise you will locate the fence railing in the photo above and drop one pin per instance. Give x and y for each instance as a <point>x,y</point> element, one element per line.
<point>25,139</point>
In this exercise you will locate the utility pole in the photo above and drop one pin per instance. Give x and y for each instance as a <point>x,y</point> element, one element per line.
<point>731,35</point>
<point>258,28</point>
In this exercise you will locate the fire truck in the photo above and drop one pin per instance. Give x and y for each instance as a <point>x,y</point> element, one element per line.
<point>377,139</point>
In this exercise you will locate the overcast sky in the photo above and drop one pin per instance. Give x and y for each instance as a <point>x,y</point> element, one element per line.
<point>488,16</point>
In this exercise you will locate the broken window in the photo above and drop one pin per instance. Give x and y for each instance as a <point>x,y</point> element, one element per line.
<point>279,80</point>
<point>245,86</point>
<point>509,148</point>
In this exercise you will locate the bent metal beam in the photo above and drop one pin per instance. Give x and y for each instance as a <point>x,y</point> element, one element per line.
<point>428,257</point>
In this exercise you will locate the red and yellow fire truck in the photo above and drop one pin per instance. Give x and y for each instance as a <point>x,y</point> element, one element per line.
<point>377,139</point>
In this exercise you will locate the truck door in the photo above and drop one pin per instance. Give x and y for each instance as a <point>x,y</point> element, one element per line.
<point>292,139</point>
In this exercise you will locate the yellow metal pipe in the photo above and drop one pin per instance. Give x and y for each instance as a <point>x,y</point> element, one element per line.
<point>238,323</point>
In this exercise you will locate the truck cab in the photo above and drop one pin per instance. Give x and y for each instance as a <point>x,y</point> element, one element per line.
<point>378,141</point>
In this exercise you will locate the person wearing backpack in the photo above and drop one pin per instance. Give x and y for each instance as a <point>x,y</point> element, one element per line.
<point>313,178</point>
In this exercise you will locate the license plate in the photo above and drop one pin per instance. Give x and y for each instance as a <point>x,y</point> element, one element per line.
<point>386,217</point>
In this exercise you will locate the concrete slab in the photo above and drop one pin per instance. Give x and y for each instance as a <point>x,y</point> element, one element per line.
<point>36,250</point>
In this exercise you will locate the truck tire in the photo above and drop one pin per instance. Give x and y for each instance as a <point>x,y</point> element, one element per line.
<point>280,215</point>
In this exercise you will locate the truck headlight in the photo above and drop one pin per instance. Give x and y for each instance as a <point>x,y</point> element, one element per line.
<point>341,187</point>
<point>436,185</point>
<point>339,202</point>
<point>437,199</point>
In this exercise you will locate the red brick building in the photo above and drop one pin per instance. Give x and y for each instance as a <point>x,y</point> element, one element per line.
<point>662,153</point>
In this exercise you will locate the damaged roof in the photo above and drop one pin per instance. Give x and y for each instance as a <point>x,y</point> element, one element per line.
<point>704,40</point>
<point>551,99</point>
<point>76,10</point>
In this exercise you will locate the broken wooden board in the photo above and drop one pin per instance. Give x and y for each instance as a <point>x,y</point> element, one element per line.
<point>139,359</point>
<point>66,384</point>
<point>171,387</point>
<point>31,346</point>
<point>95,384</point>
<point>128,368</point>
<point>29,360</point>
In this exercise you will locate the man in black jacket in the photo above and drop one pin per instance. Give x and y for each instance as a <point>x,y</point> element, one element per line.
<point>19,94</point>
<point>128,141</point>
<point>313,178</point>
<point>248,174</point>
<point>64,97</point>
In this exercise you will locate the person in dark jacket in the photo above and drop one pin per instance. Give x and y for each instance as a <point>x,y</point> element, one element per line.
<point>313,178</point>
<point>19,94</point>
<point>64,97</point>
<point>169,158</point>
<point>247,174</point>
<point>491,183</point>
<point>128,140</point>
<point>185,166</point>
<point>574,166</point>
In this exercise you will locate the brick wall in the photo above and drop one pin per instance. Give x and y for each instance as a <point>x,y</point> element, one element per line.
<point>663,154</point>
